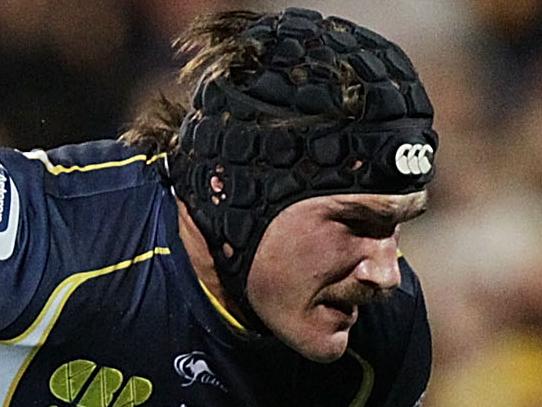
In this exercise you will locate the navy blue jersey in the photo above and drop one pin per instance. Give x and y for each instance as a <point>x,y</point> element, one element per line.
<point>100,307</point>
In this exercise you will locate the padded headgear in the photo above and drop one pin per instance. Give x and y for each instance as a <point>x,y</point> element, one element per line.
<point>236,174</point>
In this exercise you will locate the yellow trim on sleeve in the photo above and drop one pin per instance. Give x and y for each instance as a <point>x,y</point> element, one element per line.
<point>155,158</point>
<point>399,253</point>
<point>221,309</point>
<point>59,169</point>
<point>35,336</point>
<point>74,282</point>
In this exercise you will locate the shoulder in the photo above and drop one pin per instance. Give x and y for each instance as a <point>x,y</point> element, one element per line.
<point>394,337</point>
<point>410,283</point>
<point>70,169</point>
<point>64,210</point>
<point>393,317</point>
<point>95,167</point>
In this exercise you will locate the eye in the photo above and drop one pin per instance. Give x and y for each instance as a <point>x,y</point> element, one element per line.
<point>354,225</point>
<point>365,228</point>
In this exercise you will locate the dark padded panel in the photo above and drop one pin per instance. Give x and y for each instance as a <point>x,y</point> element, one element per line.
<point>281,149</point>
<point>399,63</point>
<point>206,136</point>
<point>383,101</point>
<point>368,66</point>
<point>369,39</point>
<point>331,178</point>
<point>303,13</point>
<point>322,54</point>
<point>282,89</point>
<point>328,150</point>
<point>314,99</point>
<point>297,27</point>
<point>213,100</point>
<point>239,144</point>
<point>243,189</point>
<point>281,185</point>
<point>340,41</point>
<point>418,101</point>
<point>288,52</point>
<point>238,226</point>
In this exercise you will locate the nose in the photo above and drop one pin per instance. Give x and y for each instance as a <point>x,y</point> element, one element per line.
<point>379,266</point>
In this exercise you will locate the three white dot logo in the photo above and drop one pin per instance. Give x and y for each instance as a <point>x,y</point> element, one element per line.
<point>412,159</point>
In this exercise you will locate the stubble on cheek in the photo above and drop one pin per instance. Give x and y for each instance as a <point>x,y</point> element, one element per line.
<point>301,326</point>
<point>319,343</point>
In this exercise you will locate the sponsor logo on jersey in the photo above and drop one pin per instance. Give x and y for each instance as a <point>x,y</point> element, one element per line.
<point>9,214</point>
<point>414,159</point>
<point>4,199</point>
<point>193,368</point>
<point>104,386</point>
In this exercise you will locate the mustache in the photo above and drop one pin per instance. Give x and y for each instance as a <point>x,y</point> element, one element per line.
<point>355,294</point>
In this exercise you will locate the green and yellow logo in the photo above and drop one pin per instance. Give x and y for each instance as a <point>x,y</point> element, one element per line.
<point>68,381</point>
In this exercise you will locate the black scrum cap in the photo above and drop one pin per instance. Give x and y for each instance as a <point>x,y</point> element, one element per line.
<point>237,168</point>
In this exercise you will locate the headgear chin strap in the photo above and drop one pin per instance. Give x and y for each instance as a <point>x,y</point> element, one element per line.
<point>236,174</point>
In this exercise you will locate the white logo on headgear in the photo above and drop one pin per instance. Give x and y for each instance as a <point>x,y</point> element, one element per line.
<point>193,368</point>
<point>412,159</point>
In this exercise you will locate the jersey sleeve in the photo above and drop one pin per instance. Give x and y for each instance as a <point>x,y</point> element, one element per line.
<point>23,232</point>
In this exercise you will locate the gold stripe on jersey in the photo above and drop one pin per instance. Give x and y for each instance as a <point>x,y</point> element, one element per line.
<point>221,309</point>
<point>367,383</point>
<point>41,156</point>
<point>18,352</point>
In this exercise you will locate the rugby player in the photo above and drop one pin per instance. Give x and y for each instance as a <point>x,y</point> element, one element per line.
<point>239,248</point>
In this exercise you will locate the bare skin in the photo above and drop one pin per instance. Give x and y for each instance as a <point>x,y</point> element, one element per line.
<point>317,261</point>
<point>202,261</point>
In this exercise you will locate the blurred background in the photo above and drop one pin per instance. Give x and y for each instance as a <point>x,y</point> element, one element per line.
<point>76,70</point>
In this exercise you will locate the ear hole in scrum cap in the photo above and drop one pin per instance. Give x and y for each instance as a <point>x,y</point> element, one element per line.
<point>228,250</point>
<point>355,165</point>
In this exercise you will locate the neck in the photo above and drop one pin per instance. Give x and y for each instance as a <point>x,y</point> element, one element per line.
<point>203,263</point>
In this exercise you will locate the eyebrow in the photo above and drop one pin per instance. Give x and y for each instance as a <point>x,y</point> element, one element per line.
<point>387,213</point>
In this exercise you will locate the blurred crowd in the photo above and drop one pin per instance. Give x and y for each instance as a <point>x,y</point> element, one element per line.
<point>75,70</point>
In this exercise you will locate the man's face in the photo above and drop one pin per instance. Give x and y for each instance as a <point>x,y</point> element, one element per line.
<point>321,257</point>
